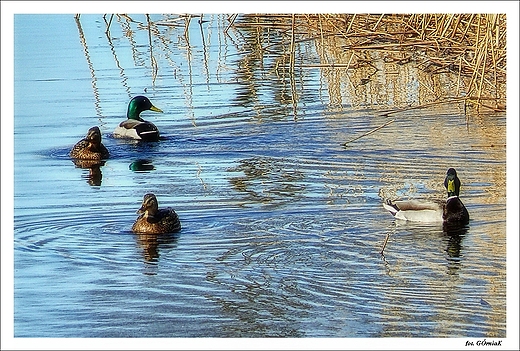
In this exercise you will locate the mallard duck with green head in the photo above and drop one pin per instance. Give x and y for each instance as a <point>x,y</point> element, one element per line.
<point>134,127</point>
<point>90,148</point>
<point>451,211</point>
<point>153,220</point>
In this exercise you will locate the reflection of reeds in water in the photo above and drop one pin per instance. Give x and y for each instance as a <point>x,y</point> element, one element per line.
<point>470,48</point>
<point>267,180</point>
<point>397,61</point>
<point>91,69</point>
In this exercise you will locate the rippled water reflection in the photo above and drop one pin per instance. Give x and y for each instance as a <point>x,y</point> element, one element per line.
<point>282,225</point>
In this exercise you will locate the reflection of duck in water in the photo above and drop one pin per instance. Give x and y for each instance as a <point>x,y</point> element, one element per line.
<point>95,175</point>
<point>451,211</point>
<point>90,148</point>
<point>94,170</point>
<point>154,220</point>
<point>150,244</point>
<point>141,165</point>
<point>134,127</point>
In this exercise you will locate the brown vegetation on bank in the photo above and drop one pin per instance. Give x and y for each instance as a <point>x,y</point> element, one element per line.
<point>470,46</point>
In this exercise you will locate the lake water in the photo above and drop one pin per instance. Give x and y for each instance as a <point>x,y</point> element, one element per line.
<point>282,225</point>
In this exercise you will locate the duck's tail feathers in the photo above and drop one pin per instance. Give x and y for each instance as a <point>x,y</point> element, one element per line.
<point>389,206</point>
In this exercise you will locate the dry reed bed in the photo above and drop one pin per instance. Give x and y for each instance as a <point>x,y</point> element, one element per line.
<point>470,46</point>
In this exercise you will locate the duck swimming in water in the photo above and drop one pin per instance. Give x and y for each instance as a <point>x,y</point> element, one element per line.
<point>134,127</point>
<point>90,148</point>
<point>451,211</point>
<point>154,220</point>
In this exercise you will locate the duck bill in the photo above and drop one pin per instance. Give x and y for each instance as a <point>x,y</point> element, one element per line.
<point>451,187</point>
<point>156,109</point>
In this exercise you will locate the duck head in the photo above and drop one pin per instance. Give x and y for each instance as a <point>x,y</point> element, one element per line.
<point>94,135</point>
<point>139,104</point>
<point>452,182</point>
<point>149,206</point>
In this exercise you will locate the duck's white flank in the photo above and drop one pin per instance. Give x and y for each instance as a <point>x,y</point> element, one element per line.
<point>121,132</point>
<point>416,211</point>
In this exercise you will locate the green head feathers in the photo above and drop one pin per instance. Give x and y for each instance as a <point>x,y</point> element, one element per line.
<point>139,104</point>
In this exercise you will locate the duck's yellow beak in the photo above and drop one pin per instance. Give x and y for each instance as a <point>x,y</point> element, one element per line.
<point>451,185</point>
<point>156,109</point>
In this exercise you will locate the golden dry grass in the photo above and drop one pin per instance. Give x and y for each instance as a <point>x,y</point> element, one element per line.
<point>470,46</point>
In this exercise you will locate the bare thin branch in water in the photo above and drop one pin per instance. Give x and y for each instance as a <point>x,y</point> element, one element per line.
<point>384,244</point>
<point>370,132</point>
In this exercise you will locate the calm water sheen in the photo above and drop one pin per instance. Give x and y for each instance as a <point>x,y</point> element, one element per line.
<point>282,225</point>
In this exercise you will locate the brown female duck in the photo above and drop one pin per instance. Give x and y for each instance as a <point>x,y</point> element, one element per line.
<point>90,148</point>
<point>154,220</point>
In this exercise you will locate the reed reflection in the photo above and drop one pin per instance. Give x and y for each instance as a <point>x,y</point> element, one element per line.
<point>124,78</point>
<point>357,64</point>
<point>259,306</point>
<point>268,180</point>
<point>83,41</point>
<point>267,61</point>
